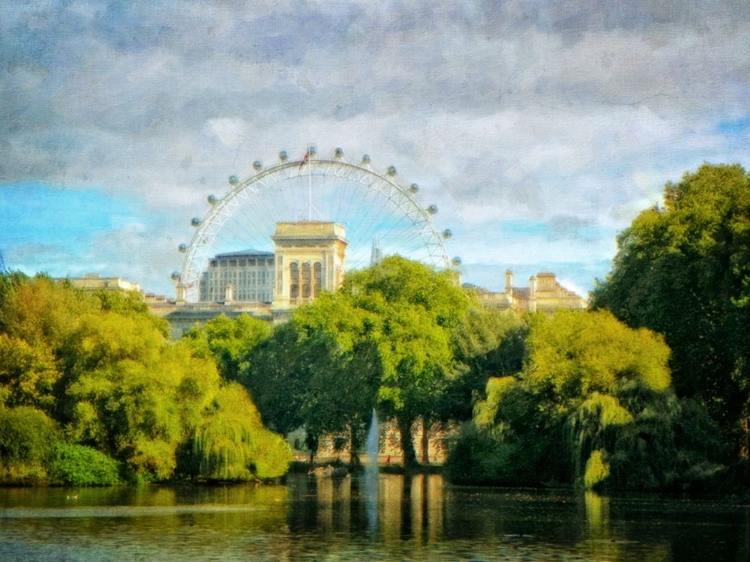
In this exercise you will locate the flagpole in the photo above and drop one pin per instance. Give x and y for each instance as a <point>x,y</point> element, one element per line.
<point>309,190</point>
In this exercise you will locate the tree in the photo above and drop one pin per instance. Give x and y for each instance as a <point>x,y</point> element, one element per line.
<point>402,312</point>
<point>276,375</point>
<point>28,439</point>
<point>593,406</point>
<point>344,369</point>
<point>232,444</point>
<point>487,343</point>
<point>96,372</point>
<point>683,270</point>
<point>229,341</point>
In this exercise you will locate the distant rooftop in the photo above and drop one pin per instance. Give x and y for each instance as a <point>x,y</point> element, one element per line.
<point>245,254</point>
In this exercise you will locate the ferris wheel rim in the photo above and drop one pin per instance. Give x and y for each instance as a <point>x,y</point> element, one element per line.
<point>221,211</point>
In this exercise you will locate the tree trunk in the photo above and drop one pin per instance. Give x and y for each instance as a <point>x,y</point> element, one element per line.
<point>354,445</point>
<point>425,441</point>
<point>407,443</point>
<point>745,435</point>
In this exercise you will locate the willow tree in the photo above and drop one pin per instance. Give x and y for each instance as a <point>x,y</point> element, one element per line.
<point>593,405</point>
<point>232,444</point>
<point>101,369</point>
<point>683,270</point>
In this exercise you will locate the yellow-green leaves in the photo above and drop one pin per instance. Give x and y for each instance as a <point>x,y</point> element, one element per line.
<point>102,369</point>
<point>576,353</point>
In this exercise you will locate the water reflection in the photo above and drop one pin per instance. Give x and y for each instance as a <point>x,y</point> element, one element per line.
<point>334,518</point>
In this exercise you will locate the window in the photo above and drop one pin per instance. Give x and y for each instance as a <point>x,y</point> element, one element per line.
<point>317,278</point>
<point>306,280</point>
<point>294,280</point>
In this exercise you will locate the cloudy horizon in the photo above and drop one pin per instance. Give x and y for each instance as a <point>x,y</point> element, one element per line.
<point>539,132</point>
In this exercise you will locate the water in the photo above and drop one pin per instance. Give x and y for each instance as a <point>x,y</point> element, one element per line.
<point>372,475</point>
<point>310,518</point>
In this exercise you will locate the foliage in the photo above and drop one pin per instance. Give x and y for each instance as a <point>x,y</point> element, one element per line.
<point>28,374</point>
<point>27,445</point>
<point>229,341</point>
<point>301,376</point>
<point>684,271</point>
<point>411,312</point>
<point>592,406</point>
<point>231,443</point>
<point>577,353</point>
<point>597,470</point>
<point>78,465</point>
<point>395,322</point>
<point>487,343</point>
<point>276,377</point>
<point>96,372</point>
<point>130,304</point>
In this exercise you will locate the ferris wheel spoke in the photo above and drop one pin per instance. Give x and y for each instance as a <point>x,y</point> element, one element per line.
<point>369,205</point>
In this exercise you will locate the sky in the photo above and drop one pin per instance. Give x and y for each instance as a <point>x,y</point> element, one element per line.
<point>539,129</point>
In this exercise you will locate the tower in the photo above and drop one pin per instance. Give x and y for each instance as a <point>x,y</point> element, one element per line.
<point>309,259</point>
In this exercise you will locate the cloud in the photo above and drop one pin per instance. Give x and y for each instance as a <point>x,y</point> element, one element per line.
<point>572,115</point>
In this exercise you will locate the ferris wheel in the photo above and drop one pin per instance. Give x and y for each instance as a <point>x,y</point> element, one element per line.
<point>379,215</point>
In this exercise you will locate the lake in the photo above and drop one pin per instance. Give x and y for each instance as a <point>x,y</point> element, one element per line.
<point>388,517</point>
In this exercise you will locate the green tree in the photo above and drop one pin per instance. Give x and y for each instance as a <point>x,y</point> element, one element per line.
<point>277,375</point>
<point>232,444</point>
<point>343,369</point>
<point>487,343</point>
<point>404,312</point>
<point>78,465</point>
<point>28,374</point>
<point>120,393</point>
<point>229,341</point>
<point>683,270</point>
<point>28,440</point>
<point>592,406</point>
<point>97,371</point>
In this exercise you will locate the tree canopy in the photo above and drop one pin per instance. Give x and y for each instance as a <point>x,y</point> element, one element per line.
<point>384,340</point>
<point>97,371</point>
<point>592,405</point>
<point>683,270</point>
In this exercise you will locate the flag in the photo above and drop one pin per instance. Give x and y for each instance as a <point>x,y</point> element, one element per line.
<point>305,158</point>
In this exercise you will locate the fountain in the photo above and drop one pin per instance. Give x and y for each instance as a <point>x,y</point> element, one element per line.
<point>373,443</point>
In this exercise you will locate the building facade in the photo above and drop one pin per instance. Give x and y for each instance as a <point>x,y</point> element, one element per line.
<point>543,294</point>
<point>94,282</point>
<point>310,258</point>
<point>246,276</point>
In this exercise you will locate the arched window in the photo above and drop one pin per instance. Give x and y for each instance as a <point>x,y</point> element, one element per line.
<point>317,278</point>
<point>306,279</point>
<point>293,280</point>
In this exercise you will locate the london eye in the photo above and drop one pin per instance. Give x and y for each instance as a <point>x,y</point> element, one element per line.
<point>381,216</point>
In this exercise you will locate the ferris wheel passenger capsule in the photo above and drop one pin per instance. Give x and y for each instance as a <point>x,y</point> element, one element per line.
<point>233,180</point>
<point>432,209</point>
<point>391,170</point>
<point>258,165</point>
<point>456,261</point>
<point>338,153</point>
<point>283,156</point>
<point>211,199</point>
<point>182,248</point>
<point>366,159</point>
<point>175,276</point>
<point>312,151</point>
<point>414,188</point>
<point>195,221</point>
<point>447,234</point>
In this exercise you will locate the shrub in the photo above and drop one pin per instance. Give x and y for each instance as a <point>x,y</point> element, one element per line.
<point>78,465</point>
<point>27,445</point>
